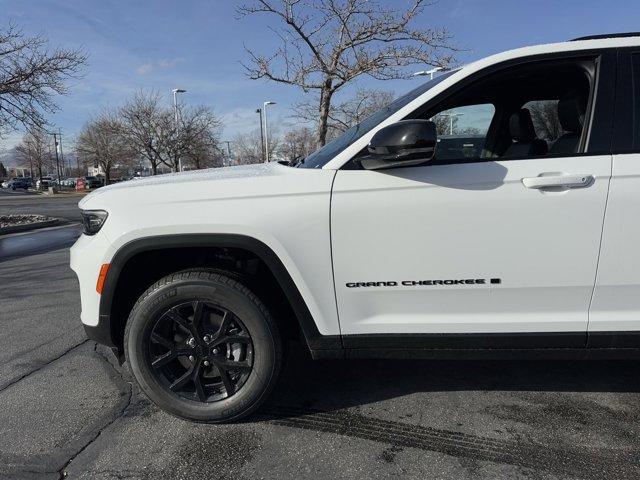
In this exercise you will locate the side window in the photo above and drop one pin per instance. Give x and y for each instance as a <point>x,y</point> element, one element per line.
<point>462,131</point>
<point>536,109</point>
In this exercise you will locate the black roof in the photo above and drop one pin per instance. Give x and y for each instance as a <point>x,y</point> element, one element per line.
<point>607,35</point>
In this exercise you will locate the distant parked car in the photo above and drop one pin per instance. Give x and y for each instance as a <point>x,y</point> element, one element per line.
<point>45,182</point>
<point>68,182</point>
<point>15,183</point>
<point>92,182</point>
<point>5,184</point>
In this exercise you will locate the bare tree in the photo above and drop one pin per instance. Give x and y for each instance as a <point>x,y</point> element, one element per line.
<point>102,142</point>
<point>248,146</point>
<point>446,123</point>
<point>297,144</point>
<point>30,75</point>
<point>153,134</point>
<point>34,148</point>
<point>198,130</point>
<point>204,152</point>
<point>142,116</point>
<point>364,103</point>
<point>326,44</point>
<point>348,113</point>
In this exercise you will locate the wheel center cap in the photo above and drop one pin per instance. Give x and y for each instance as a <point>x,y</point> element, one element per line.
<point>200,351</point>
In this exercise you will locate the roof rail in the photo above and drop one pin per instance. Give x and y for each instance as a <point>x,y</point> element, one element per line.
<point>607,35</point>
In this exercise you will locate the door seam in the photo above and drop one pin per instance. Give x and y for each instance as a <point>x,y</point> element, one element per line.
<point>604,219</point>
<point>333,272</point>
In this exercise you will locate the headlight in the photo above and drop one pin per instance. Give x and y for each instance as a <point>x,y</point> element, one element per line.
<point>92,221</point>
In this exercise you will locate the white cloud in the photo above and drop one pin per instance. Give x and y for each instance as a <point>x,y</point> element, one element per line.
<point>7,142</point>
<point>168,62</point>
<point>162,64</point>
<point>240,120</point>
<point>10,140</point>
<point>246,120</point>
<point>144,69</point>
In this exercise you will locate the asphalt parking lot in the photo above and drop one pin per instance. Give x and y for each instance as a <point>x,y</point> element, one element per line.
<point>69,410</point>
<point>64,206</point>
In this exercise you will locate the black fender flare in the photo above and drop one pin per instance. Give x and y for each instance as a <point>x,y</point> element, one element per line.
<point>103,333</point>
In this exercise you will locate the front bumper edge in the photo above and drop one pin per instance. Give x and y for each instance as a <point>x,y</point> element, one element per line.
<point>101,333</point>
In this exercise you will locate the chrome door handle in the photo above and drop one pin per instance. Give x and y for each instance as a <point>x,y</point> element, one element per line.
<point>544,181</point>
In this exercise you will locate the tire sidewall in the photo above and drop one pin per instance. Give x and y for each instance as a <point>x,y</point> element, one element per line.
<point>143,319</point>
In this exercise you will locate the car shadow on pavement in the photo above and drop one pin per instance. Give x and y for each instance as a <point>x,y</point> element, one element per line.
<point>339,385</point>
<point>356,382</point>
<point>37,242</point>
<point>531,413</point>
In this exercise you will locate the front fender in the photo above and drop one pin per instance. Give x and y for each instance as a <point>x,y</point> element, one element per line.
<point>308,324</point>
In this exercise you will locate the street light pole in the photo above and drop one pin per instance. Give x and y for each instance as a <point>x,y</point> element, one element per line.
<point>259,111</point>
<point>266,132</point>
<point>55,146</point>
<point>451,115</point>
<point>176,91</point>
<point>64,167</point>
<point>226,157</point>
<point>423,73</point>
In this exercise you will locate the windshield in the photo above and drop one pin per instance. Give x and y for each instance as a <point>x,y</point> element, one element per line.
<point>320,157</point>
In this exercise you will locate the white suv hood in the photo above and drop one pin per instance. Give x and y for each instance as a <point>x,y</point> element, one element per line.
<point>185,184</point>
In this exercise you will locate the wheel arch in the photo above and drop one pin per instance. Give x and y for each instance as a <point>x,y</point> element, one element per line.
<point>107,329</point>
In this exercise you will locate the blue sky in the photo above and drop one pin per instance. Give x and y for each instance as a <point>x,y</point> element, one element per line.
<point>198,45</point>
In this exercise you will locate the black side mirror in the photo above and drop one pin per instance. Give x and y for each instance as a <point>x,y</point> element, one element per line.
<point>405,143</point>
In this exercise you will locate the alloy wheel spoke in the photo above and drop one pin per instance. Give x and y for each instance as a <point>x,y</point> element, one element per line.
<point>232,339</point>
<point>231,365</point>
<point>198,318</point>
<point>182,380</point>
<point>227,318</point>
<point>182,322</point>
<point>170,355</point>
<point>156,338</point>
<point>197,381</point>
<point>163,359</point>
<point>226,380</point>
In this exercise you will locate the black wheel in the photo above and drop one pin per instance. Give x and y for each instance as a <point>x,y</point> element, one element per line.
<point>203,347</point>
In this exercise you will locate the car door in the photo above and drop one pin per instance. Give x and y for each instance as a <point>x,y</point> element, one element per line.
<point>473,252</point>
<point>614,318</point>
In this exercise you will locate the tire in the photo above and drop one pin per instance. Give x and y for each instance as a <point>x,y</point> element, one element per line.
<point>243,341</point>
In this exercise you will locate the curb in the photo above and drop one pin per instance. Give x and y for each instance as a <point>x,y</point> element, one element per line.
<point>29,226</point>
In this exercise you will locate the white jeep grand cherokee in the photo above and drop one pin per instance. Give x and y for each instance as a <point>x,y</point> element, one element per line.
<point>491,210</point>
